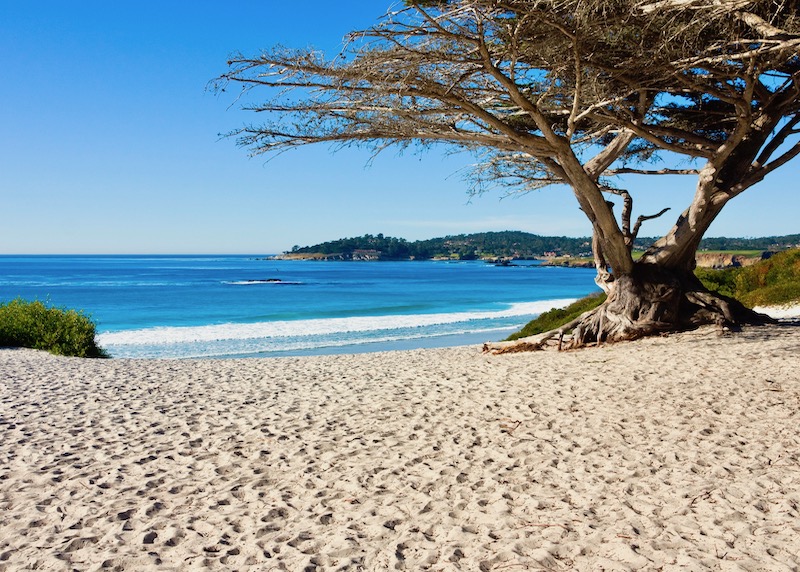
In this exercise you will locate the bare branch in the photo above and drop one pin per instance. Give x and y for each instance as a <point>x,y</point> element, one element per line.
<point>651,134</point>
<point>764,28</point>
<point>625,217</point>
<point>643,218</point>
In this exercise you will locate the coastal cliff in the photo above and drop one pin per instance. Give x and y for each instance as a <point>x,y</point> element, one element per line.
<point>725,260</point>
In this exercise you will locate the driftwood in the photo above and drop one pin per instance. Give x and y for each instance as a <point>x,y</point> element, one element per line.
<point>535,342</point>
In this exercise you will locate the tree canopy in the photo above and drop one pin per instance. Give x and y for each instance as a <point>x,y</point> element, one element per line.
<point>574,92</point>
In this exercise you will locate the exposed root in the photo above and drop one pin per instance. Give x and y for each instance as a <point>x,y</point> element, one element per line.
<point>652,302</point>
<point>534,343</point>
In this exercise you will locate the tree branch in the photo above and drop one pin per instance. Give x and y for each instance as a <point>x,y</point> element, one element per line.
<point>780,137</point>
<point>693,150</point>
<point>613,151</point>
<point>642,219</point>
<point>625,217</point>
<point>761,173</point>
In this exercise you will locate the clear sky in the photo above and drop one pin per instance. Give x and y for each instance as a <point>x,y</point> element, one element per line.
<point>110,144</point>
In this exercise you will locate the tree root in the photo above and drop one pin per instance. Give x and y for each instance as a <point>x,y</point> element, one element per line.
<point>636,310</point>
<point>536,342</point>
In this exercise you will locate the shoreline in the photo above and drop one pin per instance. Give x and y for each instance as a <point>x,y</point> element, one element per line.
<point>329,335</point>
<point>430,343</point>
<point>668,452</point>
<point>790,311</point>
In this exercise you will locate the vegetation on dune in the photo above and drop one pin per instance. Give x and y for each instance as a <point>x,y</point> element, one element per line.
<point>56,330</point>
<point>771,282</point>
<point>557,317</point>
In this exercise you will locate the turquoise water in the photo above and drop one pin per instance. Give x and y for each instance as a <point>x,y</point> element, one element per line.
<point>226,306</point>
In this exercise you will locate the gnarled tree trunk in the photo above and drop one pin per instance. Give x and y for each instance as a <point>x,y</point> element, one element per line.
<point>661,293</point>
<point>649,300</point>
<point>654,299</point>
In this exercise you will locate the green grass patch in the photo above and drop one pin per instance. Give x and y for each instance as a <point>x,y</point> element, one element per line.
<point>41,327</point>
<point>556,317</point>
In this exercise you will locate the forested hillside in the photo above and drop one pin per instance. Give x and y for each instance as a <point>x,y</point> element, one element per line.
<point>505,244</point>
<point>766,243</point>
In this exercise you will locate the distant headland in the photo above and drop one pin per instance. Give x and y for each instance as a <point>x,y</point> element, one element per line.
<point>506,246</point>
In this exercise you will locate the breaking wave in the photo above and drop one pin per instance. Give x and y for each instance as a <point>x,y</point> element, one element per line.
<point>230,339</point>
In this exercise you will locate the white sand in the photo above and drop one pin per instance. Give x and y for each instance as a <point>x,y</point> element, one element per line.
<point>676,453</point>
<point>780,312</point>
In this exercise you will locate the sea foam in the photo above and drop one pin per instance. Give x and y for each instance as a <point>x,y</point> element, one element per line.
<point>287,335</point>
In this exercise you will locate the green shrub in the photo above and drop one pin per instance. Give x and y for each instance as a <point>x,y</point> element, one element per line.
<point>556,317</point>
<point>772,295</point>
<point>59,331</point>
<point>722,281</point>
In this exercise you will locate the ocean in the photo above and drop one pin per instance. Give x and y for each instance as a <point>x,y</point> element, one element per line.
<point>249,306</point>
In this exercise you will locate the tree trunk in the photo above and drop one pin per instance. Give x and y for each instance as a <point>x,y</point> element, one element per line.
<point>654,299</point>
<point>650,300</point>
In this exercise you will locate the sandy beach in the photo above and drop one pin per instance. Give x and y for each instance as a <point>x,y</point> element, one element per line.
<point>670,453</point>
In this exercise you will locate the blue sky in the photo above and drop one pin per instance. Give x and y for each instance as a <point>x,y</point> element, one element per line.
<point>110,144</point>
